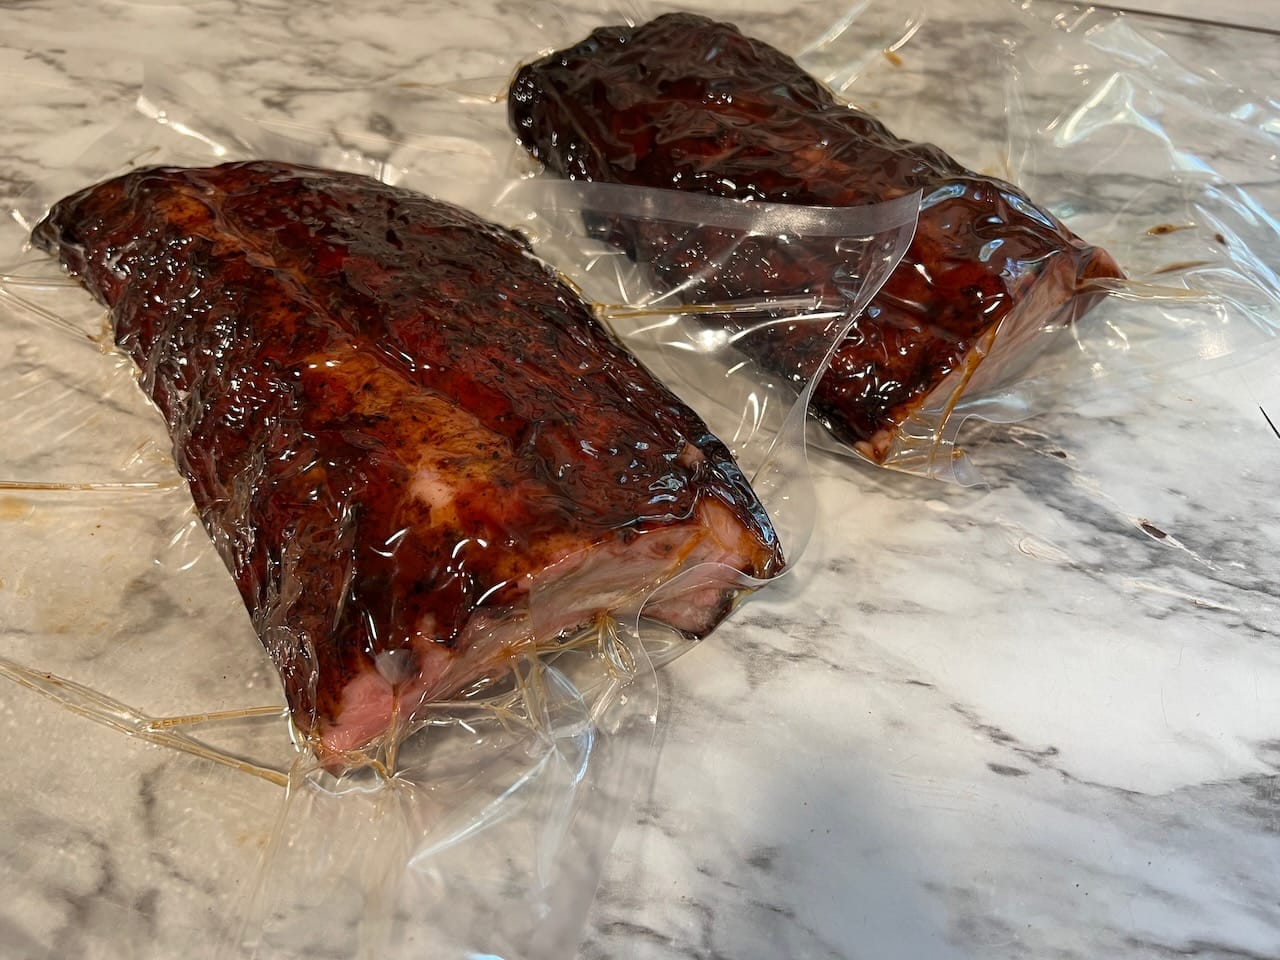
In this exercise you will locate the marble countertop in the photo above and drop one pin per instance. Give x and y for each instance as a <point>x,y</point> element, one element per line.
<point>1038,718</point>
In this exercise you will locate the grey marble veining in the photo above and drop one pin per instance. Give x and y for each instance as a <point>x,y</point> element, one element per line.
<point>1036,718</point>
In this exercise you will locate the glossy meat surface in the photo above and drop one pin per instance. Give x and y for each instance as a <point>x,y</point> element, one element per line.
<point>412,445</point>
<point>687,103</point>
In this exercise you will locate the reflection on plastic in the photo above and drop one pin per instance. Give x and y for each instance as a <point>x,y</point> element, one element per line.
<point>692,105</point>
<point>748,359</point>
<point>1123,95</point>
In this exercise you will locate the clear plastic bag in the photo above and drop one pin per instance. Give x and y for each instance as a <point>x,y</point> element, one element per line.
<point>1197,238</point>
<point>495,839</point>
<point>733,358</point>
<point>1199,278</point>
<point>517,788</point>
<point>489,828</point>
<point>1109,125</point>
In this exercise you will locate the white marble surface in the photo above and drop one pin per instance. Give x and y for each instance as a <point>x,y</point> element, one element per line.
<point>1037,719</point>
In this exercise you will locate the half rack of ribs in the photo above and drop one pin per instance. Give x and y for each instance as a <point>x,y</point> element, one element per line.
<point>687,103</point>
<point>412,445</point>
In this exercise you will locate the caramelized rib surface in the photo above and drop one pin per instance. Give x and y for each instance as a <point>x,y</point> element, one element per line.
<point>687,103</point>
<point>410,442</point>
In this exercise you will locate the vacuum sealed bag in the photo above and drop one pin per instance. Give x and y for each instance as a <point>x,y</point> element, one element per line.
<point>412,472</point>
<point>464,549</point>
<point>465,521</point>
<point>980,317</point>
<point>691,104</point>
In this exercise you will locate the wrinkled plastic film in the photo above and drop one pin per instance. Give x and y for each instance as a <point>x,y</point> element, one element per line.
<point>566,727</point>
<point>484,840</point>
<point>519,782</point>
<point>1111,126</point>
<point>1190,297</point>
<point>1198,233</point>
<point>1211,293</point>
<point>747,358</point>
